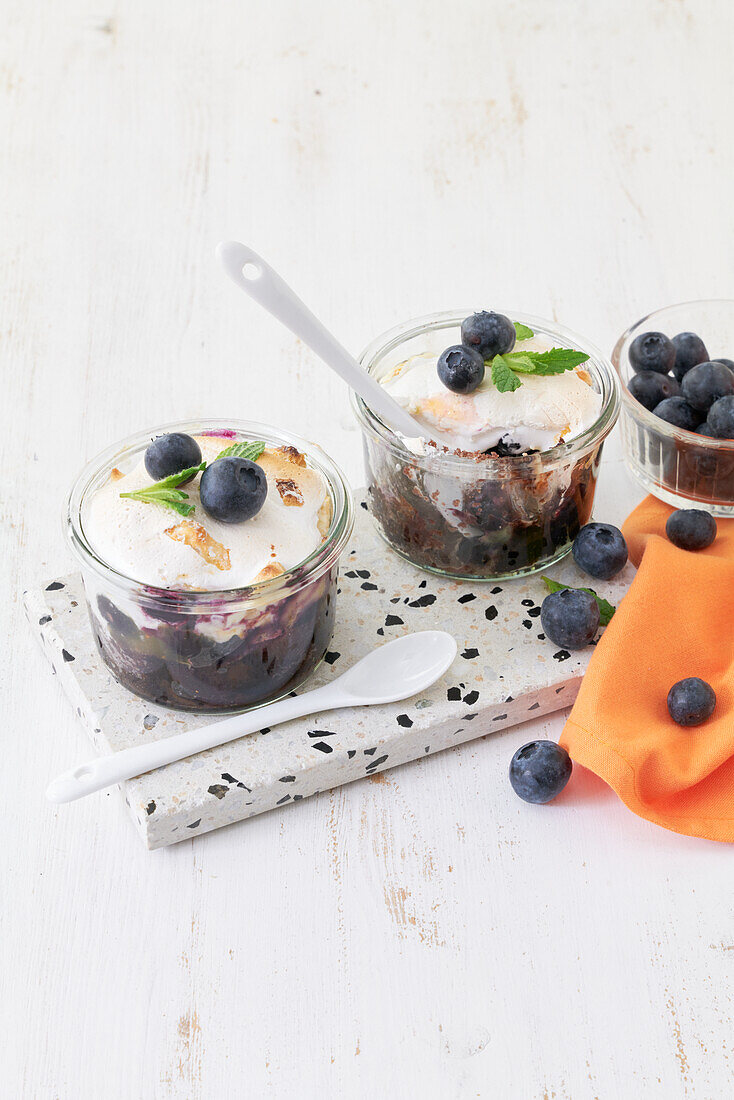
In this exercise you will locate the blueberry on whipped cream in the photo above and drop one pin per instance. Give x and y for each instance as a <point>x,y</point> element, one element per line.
<point>232,526</point>
<point>460,369</point>
<point>233,489</point>
<point>490,333</point>
<point>170,454</point>
<point>528,397</point>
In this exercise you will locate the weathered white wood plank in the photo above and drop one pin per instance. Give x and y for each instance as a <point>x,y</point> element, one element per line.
<point>422,933</point>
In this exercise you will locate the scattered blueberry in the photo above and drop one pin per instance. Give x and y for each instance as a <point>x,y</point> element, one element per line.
<point>461,369</point>
<point>677,411</point>
<point>706,383</point>
<point>570,618</point>
<point>539,771</point>
<point>489,333</point>
<point>690,350</point>
<point>600,550</point>
<point>233,489</point>
<point>691,528</point>
<point>727,362</point>
<point>721,418</point>
<point>650,388</point>
<point>691,701</point>
<point>170,454</point>
<point>652,351</point>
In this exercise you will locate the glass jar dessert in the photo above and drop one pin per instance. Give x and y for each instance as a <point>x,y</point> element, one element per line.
<point>508,478</point>
<point>212,589</point>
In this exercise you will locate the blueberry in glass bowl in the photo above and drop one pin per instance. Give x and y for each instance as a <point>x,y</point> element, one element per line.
<point>685,454</point>
<point>212,589</point>
<point>517,483</point>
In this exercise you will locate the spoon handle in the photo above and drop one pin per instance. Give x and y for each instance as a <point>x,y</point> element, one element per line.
<point>106,770</point>
<point>253,275</point>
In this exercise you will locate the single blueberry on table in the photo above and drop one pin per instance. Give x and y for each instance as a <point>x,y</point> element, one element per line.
<point>489,333</point>
<point>690,350</point>
<point>652,351</point>
<point>691,701</point>
<point>691,528</point>
<point>539,771</point>
<point>706,383</point>
<point>170,454</point>
<point>650,388</point>
<point>570,618</point>
<point>233,489</point>
<point>600,550</point>
<point>721,418</point>
<point>461,369</point>
<point>677,411</point>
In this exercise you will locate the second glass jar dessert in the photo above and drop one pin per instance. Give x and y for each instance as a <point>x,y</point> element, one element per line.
<point>481,515</point>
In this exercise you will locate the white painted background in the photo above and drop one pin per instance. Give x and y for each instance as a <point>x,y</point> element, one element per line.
<point>422,934</point>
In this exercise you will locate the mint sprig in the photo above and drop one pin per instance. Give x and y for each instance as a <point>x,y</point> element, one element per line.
<point>249,450</point>
<point>544,363</point>
<point>522,332</point>
<point>165,492</point>
<point>606,610</point>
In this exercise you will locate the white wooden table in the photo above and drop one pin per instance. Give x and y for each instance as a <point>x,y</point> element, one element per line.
<point>422,934</point>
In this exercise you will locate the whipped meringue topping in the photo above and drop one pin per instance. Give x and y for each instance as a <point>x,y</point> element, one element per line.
<point>540,413</point>
<point>153,545</point>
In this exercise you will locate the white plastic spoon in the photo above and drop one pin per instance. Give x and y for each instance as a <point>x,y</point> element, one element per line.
<point>393,671</point>
<point>253,275</point>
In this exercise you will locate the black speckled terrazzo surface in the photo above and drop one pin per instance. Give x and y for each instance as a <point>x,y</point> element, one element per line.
<point>506,672</point>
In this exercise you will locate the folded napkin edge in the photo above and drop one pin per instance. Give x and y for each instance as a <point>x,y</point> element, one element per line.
<point>600,757</point>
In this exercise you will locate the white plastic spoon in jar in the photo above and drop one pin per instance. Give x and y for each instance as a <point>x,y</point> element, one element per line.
<point>253,275</point>
<point>393,671</point>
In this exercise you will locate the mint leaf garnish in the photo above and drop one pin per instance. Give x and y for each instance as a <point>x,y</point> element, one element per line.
<point>606,610</point>
<point>243,450</point>
<point>520,362</point>
<point>170,498</point>
<point>522,331</point>
<point>504,379</point>
<point>165,492</point>
<point>555,361</point>
<point>173,480</point>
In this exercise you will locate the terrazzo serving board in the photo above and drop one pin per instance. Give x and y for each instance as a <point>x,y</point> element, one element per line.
<point>506,672</point>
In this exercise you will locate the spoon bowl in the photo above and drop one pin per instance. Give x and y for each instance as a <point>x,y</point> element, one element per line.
<point>399,669</point>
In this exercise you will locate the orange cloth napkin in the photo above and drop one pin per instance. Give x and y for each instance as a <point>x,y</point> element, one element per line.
<point>677,620</point>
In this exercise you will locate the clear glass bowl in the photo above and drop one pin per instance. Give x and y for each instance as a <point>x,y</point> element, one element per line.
<point>212,651</point>
<point>679,467</point>
<point>488,518</point>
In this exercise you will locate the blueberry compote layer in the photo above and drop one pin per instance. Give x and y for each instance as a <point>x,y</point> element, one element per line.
<point>176,656</point>
<point>481,524</point>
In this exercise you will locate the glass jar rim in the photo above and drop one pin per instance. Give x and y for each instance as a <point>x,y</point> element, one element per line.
<point>588,439</point>
<point>646,416</point>
<point>322,558</point>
